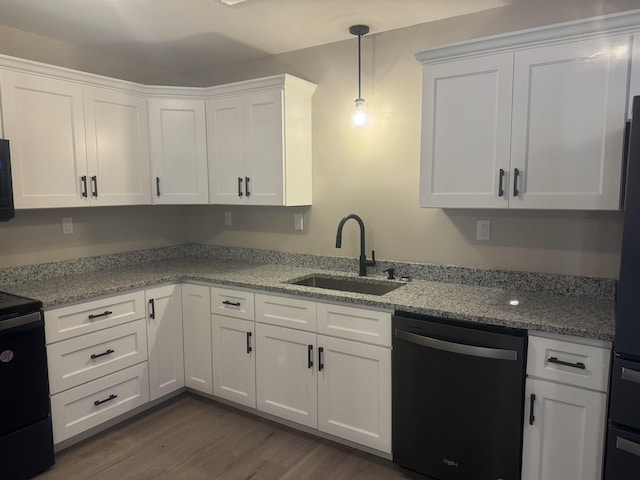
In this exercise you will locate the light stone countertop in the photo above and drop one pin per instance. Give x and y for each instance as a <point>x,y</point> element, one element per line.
<point>581,316</point>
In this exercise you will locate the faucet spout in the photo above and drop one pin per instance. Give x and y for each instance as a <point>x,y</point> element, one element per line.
<point>364,263</point>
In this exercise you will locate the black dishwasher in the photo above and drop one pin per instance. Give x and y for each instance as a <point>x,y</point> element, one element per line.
<point>458,397</point>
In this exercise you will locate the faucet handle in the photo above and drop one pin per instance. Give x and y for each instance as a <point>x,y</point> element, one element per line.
<point>390,271</point>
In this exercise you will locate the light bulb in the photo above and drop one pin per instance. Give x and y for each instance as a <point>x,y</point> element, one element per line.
<point>359,117</point>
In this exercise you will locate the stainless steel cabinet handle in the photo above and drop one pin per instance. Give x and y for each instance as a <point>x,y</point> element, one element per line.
<point>516,173</point>
<point>158,186</point>
<point>471,350</point>
<point>83,179</point>
<point>94,180</point>
<point>628,446</point>
<point>630,375</point>
<point>500,180</point>
<point>239,186</point>
<point>246,186</point>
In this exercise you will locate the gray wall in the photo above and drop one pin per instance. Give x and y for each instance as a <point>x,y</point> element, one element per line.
<point>372,172</point>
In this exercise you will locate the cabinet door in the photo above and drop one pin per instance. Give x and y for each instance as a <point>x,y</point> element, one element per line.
<point>566,437</point>
<point>354,392</point>
<point>286,374</point>
<point>164,340</point>
<point>568,124</point>
<point>634,85</point>
<point>234,369</point>
<point>225,150</point>
<point>178,143</point>
<point>44,121</point>
<point>196,326</point>
<point>117,148</point>
<point>466,133</point>
<point>264,162</point>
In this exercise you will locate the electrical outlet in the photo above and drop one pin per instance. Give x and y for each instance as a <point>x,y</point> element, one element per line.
<point>483,230</point>
<point>67,225</point>
<point>298,223</point>
<point>227,218</point>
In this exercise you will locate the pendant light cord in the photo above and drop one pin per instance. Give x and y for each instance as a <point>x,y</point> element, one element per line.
<point>359,67</point>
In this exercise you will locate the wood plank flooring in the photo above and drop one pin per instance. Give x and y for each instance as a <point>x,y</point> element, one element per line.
<point>195,438</point>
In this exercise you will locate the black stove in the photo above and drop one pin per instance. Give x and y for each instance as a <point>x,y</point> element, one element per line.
<point>14,306</point>
<point>26,438</point>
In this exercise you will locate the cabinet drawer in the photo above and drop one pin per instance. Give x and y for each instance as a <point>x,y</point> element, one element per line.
<point>93,403</point>
<point>87,357</point>
<point>66,322</point>
<point>370,326</point>
<point>286,312</point>
<point>232,303</point>
<point>588,366</point>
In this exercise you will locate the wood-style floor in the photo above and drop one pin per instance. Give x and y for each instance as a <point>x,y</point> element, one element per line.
<point>194,438</point>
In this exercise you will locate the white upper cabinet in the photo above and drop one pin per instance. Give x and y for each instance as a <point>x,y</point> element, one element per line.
<point>634,86</point>
<point>531,119</point>
<point>117,147</point>
<point>568,125</point>
<point>44,121</point>
<point>466,127</point>
<point>259,142</point>
<point>178,143</point>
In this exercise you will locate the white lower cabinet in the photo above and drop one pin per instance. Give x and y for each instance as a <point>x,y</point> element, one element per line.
<point>196,327</point>
<point>354,392</point>
<point>78,409</point>
<point>338,385</point>
<point>286,374</point>
<point>164,340</point>
<point>234,368</point>
<point>565,438</point>
<point>565,410</point>
<point>97,362</point>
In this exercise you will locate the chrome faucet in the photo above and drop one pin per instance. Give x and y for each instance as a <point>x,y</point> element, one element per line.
<point>364,263</point>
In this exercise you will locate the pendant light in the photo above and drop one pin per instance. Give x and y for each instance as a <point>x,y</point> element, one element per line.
<point>359,117</point>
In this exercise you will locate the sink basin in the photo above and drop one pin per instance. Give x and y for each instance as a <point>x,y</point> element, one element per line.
<point>348,284</point>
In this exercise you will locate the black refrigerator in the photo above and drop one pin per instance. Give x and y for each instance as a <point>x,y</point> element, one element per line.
<point>622,460</point>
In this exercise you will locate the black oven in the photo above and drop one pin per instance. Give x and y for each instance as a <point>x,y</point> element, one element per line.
<point>26,439</point>
<point>6,187</point>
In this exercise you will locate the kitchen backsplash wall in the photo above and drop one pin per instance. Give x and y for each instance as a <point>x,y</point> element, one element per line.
<point>372,171</point>
<point>35,236</point>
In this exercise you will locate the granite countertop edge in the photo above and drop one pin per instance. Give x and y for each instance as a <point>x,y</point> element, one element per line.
<point>579,316</point>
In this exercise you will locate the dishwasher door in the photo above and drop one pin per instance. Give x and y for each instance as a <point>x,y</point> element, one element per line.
<point>458,396</point>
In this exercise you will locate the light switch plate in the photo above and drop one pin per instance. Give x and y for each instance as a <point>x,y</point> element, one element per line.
<point>227,218</point>
<point>298,223</point>
<point>483,230</point>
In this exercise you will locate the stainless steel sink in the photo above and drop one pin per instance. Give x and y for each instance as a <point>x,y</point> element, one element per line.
<point>348,284</point>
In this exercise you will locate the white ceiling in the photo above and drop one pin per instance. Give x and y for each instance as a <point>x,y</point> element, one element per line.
<point>191,35</point>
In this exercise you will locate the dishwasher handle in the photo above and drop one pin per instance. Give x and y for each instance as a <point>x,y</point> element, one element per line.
<point>472,350</point>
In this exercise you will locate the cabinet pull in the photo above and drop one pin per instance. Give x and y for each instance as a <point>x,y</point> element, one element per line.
<point>233,304</point>
<point>532,417</point>
<point>152,315</point>
<point>320,359</point>
<point>579,365</point>
<point>100,402</point>
<point>500,180</point>
<point>83,179</point>
<point>97,315</point>
<point>94,180</point>
<point>516,173</point>
<point>246,186</point>
<point>628,446</point>
<point>158,186</point>
<point>309,356</point>
<point>239,186</point>
<point>630,375</point>
<point>249,342</point>
<point>108,352</point>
